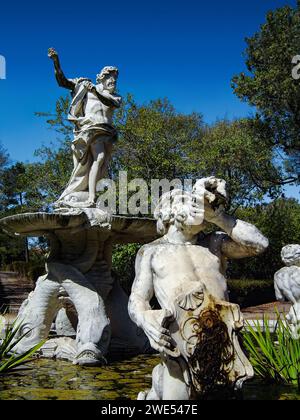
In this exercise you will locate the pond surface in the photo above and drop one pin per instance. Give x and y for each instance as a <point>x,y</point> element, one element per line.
<point>57,380</point>
<point>46,379</point>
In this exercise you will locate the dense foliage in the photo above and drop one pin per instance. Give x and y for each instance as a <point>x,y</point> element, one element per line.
<point>269,86</point>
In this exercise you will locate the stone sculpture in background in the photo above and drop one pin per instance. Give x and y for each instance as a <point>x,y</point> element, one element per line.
<point>196,329</point>
<point>91,113</point>
<point>287,285</point>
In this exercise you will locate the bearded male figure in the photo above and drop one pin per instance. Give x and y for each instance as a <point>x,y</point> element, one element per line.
<point>91,112</point>
<point>195,331</point>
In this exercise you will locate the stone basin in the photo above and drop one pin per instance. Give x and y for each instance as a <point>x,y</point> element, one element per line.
<point>78,283</point>
<point>122,229</point>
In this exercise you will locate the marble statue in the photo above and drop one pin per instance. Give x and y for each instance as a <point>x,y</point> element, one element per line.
<point>196,329</point>
<point>78,289</point>
<point>91,112</point>
<point>78,293</point>
<point>287,285</point>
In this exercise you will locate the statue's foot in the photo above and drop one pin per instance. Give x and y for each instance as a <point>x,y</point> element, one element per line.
<point>89,358</point>
<point>142,396</point>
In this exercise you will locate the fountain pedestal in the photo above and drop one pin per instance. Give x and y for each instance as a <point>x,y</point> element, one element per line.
<point>78,276</point>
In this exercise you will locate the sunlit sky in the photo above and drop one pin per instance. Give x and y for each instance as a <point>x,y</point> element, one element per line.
<point>187,51</point>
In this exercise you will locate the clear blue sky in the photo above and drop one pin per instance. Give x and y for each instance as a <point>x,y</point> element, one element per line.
<point>187,51</point>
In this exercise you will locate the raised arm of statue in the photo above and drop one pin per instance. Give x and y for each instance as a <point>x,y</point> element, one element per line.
<point>241,239</point>
<point>151,321</point>
<point>60,77</point>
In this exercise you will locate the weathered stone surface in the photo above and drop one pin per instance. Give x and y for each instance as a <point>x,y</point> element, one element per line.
<point>290,255</point>
<point>78,280</point>
<point>287,285</point>
<point>120,229</point>
<point>196,329</point>
<point>91,112</point>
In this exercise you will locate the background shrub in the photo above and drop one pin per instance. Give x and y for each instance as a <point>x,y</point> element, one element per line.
<point>248,293</point>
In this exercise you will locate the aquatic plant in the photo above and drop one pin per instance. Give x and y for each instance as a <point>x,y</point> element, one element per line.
<point>275,357</point>
<point>9,338</point>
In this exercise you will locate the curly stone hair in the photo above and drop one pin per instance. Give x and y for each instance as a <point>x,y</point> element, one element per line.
<point>105,72</point>
<point>168,212</point>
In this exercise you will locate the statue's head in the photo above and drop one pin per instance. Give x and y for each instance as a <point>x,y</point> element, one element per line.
<point>290,255</point>
<point>182,210</point>
<point>108,78</point>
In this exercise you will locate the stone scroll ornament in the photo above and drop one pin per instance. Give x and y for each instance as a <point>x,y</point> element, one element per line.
<point>196,331</point>
<point>287,285</point>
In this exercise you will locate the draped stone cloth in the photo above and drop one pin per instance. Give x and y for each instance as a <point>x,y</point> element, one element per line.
<point>86,131</point>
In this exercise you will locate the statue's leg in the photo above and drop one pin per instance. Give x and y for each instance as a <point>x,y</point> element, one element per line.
<point>98,154</point>
<point>175,381</point>
<point>38,314</point>
<point>93,331</point>
<point>169,382</point>
<point>107,158</point>
<point>156,392</point>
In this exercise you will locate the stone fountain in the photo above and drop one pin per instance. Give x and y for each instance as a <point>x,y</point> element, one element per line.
<point>78,289</point>
<point>196,329</point>
<point>78,276</point>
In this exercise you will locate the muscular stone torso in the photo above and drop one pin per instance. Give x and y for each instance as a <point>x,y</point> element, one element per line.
<point>176,267</point>
<point>96,111</point>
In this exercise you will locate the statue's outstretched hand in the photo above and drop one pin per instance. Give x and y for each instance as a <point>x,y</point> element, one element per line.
<point>213,191</point>
<point>52,54</point>
<point>154,327</point>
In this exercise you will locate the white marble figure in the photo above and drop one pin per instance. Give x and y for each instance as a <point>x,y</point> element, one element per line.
<point>78,275</point>
<point>91,113</point>
<point>39,311</point>
<point>287,285</point>
<point>196,328</point>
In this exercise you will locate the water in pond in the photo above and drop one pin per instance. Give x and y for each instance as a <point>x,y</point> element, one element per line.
<point>57,380</point>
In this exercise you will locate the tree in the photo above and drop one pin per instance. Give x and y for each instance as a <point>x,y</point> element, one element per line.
<point>11,248</point>
<point>270,87</point>
<point>155,140</point>
<point>237,152</point>
<point>13,200</point>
